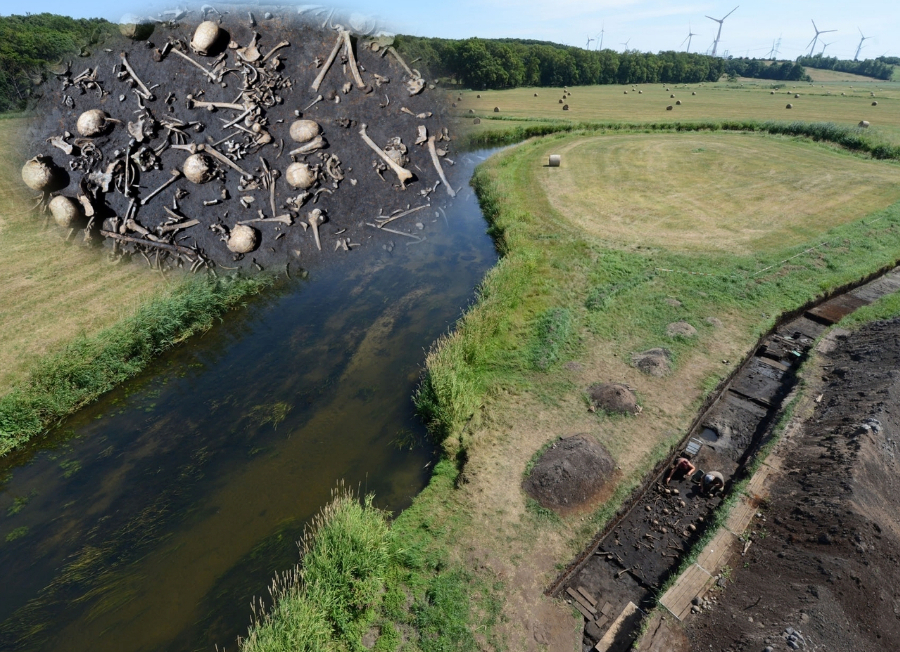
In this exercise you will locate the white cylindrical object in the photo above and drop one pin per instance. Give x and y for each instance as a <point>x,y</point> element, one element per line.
<point>555,160</point>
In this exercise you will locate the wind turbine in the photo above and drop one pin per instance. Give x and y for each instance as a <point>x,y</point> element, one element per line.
<point>864,38</point>
<point>626,44</point>
<point>824,45</point>
<point>720,21</point>
<point>816,37</point>
<point>588,46</point>
<point>600,46</point>
<point>688,39</point>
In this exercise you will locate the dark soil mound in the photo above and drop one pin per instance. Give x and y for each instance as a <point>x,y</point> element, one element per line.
<point>570,473</point>
<point>653,362</point>
<point>613,398</point>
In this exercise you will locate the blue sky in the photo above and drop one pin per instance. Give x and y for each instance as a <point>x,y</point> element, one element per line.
<point>649,25</point>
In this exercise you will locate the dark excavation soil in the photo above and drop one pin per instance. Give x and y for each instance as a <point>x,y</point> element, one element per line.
<point>653,362</point>
<point>823,572</point>
<point>350,193</point>
<point>570,473</point>
<point>613,398</point>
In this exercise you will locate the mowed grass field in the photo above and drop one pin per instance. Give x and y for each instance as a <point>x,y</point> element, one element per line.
<point>744,100</point>
<point>50,290</point>
<point>705,191</point>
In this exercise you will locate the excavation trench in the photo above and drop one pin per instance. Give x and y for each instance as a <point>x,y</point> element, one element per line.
<point>617,578</point>
<point>149,520</point>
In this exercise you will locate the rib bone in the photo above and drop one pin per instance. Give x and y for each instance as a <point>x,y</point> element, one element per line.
<point>402,173</point>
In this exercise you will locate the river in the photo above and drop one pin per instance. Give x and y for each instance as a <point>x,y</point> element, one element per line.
<point>150,519</point>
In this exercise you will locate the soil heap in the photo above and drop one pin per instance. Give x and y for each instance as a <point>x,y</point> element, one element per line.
<point>612,397</point>
<point>570,473</point>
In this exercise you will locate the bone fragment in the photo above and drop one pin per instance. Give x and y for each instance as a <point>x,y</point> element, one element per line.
<point>147,94</point>
<point>437,165</point>
<point>360,84</point>
<point>315,218</point>
<point>283,44</point>
<point>422,134</point>
<point>148,243</point>
<point>177,227</point>
<point>398,216</point>
<point>403,174</point>
<point>208,73</point>
<point>400,60</point>
<point>282,219</point>
<point>314,102</point>
<point>199,104</point>
<point>314,145</point>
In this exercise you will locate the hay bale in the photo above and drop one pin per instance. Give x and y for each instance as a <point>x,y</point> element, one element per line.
<point>471,110</point>
<point>672,96</point>
<point>614,398</point>
<point>680,329</point>
<point>476,121</point>
<point>771,92</point>
<point>789,106</point>
<point>570,474</point>
<point>555,160</point>
<point>535,94</point>
<point>653,362</point>
<point>796,96</point>
<point>496,109</point>
<point>669,108</point>
<point>478,96</point>
<point>625,92</point>
<point>677,102</point>
<point>863,124</point>
<point>560,101</point>
<point>874,103</point>
<point>640,92</point>
<point>565,107</point>
<point>693,92</point>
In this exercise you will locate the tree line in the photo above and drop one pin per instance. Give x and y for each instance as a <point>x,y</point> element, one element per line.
<point>30,44</point>
<point>877,68</point>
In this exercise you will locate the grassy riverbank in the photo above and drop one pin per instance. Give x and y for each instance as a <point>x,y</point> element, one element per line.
<point>567,305</point>
<point>74,325</point>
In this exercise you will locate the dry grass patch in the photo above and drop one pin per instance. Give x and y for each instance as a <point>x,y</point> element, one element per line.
<point>51,291</point>
<point>735,193</point>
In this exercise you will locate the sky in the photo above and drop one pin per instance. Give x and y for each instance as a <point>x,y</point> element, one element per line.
<point>646,25</point>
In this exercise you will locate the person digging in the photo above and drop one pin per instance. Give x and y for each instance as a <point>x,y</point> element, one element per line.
<point>682,468</point>
<point>711,483</point>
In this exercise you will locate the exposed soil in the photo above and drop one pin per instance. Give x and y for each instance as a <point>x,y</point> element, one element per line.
<point>347,187</point>
<point>612,397</point>
<point>824,570</point>
<point>653,362</point>
<point>570,474</point>
<point>680,329</point>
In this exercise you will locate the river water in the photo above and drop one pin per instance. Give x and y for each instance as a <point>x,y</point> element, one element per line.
<point>149,520</point>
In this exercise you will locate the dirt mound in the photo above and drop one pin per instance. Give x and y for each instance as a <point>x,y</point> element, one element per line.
<point>653,362</point>
<point>612,397</point>
<point>680,328</point>
<point>570,473</point>
<point>827,568</point>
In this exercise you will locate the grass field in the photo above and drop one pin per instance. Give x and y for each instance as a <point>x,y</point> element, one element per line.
<point>821,76</point>
<point>725,192</point>
<point>746,100</point>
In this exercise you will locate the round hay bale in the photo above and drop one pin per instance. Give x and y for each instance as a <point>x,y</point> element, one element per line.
<point>476,121</point>
<point>874,103</point>
<point>672,96</point>
<point>555,160</point>
<point>496,109</point>
<point>560,101</point>
<point>771,92</point>
<point>471,110</point>
<point>625,92</point>
<point>565,107</point>
<point>612,397</point>
<point>796,96</point>
<point>653,362</point>
<point>669,108</point>
<point>871,94</point>
<point>843,94</point>
<point>535,94</point>
<point>680,329</point>
<point>478,96</point>
<point>789,106</point>
<point>640,92</point>
<point>693,92</point>
<point>863,124</point>
<point>66,211</point>
<point>677,102</point>
<point>570,474</point>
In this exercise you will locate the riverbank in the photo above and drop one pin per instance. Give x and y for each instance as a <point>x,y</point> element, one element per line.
<point>565,308</point>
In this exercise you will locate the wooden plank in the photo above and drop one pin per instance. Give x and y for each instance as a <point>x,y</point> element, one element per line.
<point>692,583</point>
<point>580,600</point>
<point>606,609</point>
<point>717,551</point>
<point>773,363</point>
<point>587,596</point>
<point>584,612</point>
<point>602,621</point>
<point>609,638</point>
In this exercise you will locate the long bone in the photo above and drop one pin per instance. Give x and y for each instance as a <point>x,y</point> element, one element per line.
<point>148,94</point>
<point>331,57</point>
<point>176,175</point>
<point>315,218</point>
<point>437,166</point>
<point>360,84</point>
<point>283,44</point>
<point>208,73</point>
<point>199,104</point>
<point>402,173</point>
